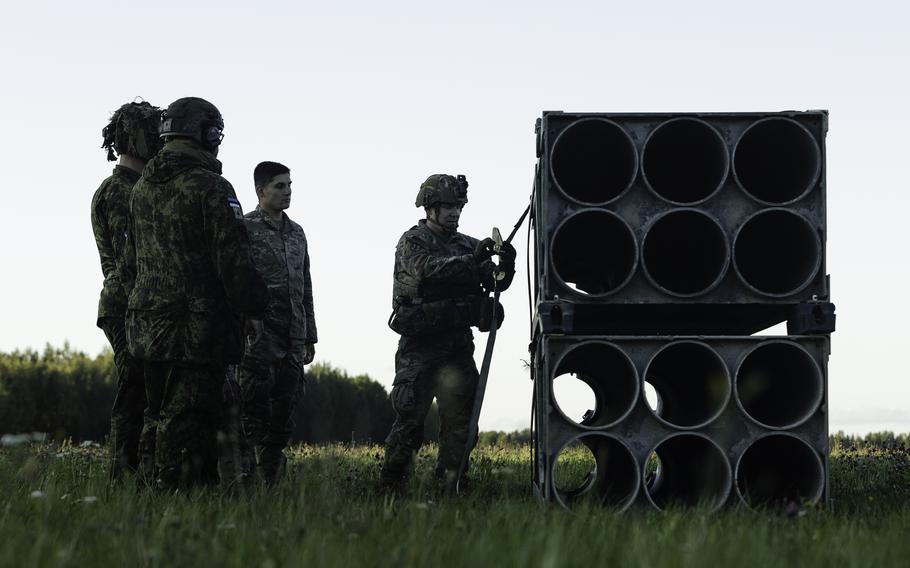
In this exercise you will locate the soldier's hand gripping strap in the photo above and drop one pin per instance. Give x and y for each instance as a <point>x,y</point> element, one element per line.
<point>505,270</point>
<point>484,250</point>
<point>490,310</point>
<point>507,254</point>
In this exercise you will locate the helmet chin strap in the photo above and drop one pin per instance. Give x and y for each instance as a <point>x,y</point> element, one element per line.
<point>433,217</point>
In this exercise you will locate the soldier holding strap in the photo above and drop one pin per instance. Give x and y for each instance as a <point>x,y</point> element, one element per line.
<point>441,288</point>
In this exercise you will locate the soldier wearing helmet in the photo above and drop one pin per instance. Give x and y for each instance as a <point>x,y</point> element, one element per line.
<point>441,289</point>
<point>192,281</point>
<point>131,139</point>
<point>195,119</point>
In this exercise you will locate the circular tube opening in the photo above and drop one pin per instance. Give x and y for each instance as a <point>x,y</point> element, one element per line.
<point>595,468</point>
<point>593,161</point>
<point>687,470</point>
<point>777,252</point>
<point>779,470</point>
<point>776,161</point>
<point>779,385</point>
<point>691,384</point>
<point>612,380</point>
<point>685,252</point>
<point>594,252</point>
<point>685,161</point>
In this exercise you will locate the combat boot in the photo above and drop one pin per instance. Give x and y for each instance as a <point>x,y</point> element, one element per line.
<point>455,486</point>
<point>393,485</point>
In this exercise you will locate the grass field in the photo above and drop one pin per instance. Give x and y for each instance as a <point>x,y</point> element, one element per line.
<point>57,510</point>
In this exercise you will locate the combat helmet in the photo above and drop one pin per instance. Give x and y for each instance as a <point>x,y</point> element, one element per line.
<point>132,130</point>
<point>195,118</point>
<point>442,188</point>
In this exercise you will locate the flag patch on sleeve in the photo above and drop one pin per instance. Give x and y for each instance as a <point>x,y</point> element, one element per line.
<point>235,207</point>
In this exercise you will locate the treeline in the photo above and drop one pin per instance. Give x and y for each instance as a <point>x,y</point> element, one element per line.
<point>341,408</point>
<point>497,438</point>
<point>876,440</point>
<point>68,394</point>
<point>61,392</point>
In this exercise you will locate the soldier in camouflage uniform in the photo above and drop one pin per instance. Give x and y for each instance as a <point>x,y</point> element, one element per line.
<point>192,275</point>
<point>271,373</point>
<point>441,286</point>
<point>131,135</point>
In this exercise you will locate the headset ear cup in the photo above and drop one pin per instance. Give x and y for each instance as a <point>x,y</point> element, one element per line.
<point>212,137</point>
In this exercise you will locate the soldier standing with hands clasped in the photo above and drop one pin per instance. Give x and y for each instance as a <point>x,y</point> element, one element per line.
<point>192,278</point>
<point>441,288</point>
<point>131,135</point>
<point>278,347</point>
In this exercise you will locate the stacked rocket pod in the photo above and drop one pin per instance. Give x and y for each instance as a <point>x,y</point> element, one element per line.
<point>662,243</point>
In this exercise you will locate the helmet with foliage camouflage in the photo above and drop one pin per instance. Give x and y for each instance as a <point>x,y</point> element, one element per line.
<point>442,188</point>
<point>194,118</point>
<point>132,130</point>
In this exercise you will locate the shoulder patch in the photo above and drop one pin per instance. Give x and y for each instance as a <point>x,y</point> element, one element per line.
<point>235,207</point>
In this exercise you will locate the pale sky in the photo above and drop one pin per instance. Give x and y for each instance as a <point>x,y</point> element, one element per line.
<point>363,100</point>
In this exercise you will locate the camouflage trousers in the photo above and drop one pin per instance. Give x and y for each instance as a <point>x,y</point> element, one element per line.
<point>424,370</point>
<point>181,422</point>
<point>129,404</point>
<point>233,451</point>
<point>270,392</point>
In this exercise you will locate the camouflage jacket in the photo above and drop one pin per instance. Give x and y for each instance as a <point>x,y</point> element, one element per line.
<point>281,257</point>
<point>430,267</point>
<point>110,209</point>
<point>190,271</point>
